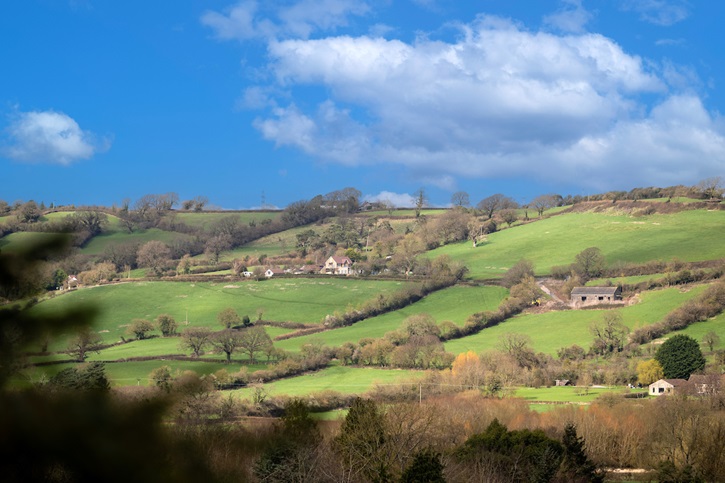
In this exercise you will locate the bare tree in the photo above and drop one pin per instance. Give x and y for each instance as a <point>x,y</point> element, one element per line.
<point>495,203</point>
<point>227,341</point>
<point>610,334</point>
<point>216,245</point>
<point>509,216</point>
<point>84,342</point>
<point>711,339</point>
<point>195,339</point>
<point>254,340</point>
<point>154,255</point>
<point>92,221</point>
<point>460,198</point>
<point>712,187</point>
<point>543,203</point>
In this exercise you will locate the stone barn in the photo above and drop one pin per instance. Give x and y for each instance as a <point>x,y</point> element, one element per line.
<point>595,295</point>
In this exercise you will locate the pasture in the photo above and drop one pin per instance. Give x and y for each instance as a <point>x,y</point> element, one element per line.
<point>134,373</point>
<point>341,379</point>
<point>285,299</point>
<point>551,331</point>
<point>453,303</point>
<point>697,331</point>
<point>205,220</point>
<point>98,244</point>
<point>688,235</point>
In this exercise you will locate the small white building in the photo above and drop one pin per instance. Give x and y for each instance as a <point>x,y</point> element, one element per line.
<point>271,272</point>
<point>666,386</point>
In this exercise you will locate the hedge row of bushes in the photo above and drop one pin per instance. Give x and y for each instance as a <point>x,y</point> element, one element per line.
<point>709,304</point>
<point>521,296</point>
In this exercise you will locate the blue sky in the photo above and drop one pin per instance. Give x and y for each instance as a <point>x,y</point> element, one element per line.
<point>101,101</point>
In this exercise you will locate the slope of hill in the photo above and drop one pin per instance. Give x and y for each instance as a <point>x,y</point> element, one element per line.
<point>688,235</point>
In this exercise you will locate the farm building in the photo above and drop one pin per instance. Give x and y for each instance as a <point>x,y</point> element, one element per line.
<point>666,386</point>
<point>595,295</point>
<point>271,272</point>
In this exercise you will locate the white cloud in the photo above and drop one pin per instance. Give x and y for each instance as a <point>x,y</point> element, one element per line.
<point>250,19</point>
<point>51,137</point>
<point>572,18</point>
<point>398,200</point>
<point>499,102</point>
<point>659,12</point>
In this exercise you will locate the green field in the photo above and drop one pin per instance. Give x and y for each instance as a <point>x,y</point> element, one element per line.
<point>634,279</point>
<point>285,299</point>
<point>689,235</point>
<point>552,330</point>
<point>20,240</point>
<point>100,242</point>
<point>341,379</point>
<point>566,394</point>
<point>697,331</point>
<point>137,372</point>
<point>206,220</point>
<point>454,304</point>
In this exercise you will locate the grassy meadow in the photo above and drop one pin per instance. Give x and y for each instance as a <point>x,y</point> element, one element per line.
<point>134,373</point>
<point>454,304</point>
<point>286,299</point>
<point>341,379</point>
<point>207,220</point>
<point>688,235</point>
<point>552,330</point>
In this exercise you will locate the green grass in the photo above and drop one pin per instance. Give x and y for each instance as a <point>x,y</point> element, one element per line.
<point>699,329</point>
<point>689,235</point>
<point>136,373</point>
<point>100,242</point>
<point>565,394</point>
<point>454,304</point>
<point>290,299</point>
<point>206,220</point>
<point>552,330</point>
<point>341,379</point>
<point>634,279</point>
<point>20,240</point>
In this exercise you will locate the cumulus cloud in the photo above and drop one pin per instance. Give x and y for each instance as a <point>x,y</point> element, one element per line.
<point>250,19</point>
<point>499,102</point>
<point>398,200</point>
<point>572,18</point>
<point>659,12</point>
<point>51,137</point>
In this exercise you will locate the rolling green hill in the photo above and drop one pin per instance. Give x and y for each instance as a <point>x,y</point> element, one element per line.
<point>688,235</point>
<point>285,299</point>
<point>454,304</point>
<point>552,330</point>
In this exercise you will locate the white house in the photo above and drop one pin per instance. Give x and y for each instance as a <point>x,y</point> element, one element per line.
<point>338,265</point>
<point>271,272</point>
<point>665,386</point>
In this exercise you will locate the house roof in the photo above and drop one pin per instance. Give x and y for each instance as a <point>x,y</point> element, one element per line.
<point>595,290</point>
<point>674,382</point>
<point>702,379</point>
<point>275,270</point>
<point>341,260</point>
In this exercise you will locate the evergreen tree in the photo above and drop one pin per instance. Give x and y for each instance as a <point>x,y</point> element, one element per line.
<point>680,356</point>
<point>426,467</point>
<point>576,466</point>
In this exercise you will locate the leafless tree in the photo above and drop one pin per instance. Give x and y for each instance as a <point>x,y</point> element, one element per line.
<point>494,203</point>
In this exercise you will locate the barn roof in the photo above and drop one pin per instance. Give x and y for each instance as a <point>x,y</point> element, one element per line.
<point>595,290</point>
